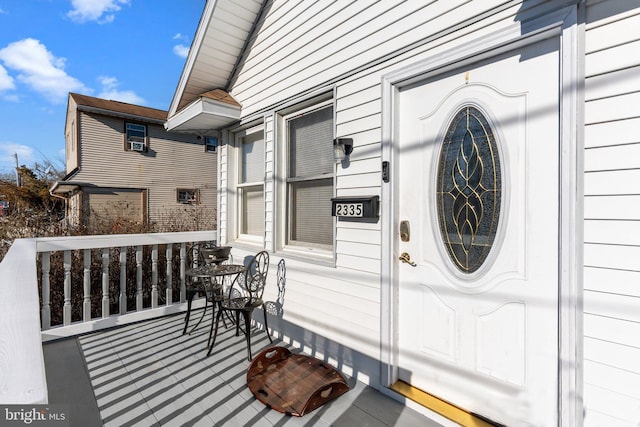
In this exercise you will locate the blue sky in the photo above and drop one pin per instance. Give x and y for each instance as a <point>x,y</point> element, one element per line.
<point>127,50</point>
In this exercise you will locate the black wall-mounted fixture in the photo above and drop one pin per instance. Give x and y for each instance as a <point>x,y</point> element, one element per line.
<point>342,147</point>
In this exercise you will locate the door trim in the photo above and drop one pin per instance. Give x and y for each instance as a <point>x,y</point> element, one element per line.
<point>567,24</point>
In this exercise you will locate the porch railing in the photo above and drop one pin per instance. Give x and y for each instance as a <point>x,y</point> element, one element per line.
<point>26,316</point>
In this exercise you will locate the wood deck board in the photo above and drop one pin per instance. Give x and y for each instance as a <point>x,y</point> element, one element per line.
<point>148,373</point>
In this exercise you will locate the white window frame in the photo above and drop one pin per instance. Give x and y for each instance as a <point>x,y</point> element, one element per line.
<point>242,238</point>
<point>130,141</point>
<point>304,250</point>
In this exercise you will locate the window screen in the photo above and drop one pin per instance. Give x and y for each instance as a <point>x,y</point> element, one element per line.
<point>310,178</point>
<point>251,184</point>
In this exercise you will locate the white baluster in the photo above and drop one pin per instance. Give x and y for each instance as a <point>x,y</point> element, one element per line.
<point>66,309</point>
<point>139,278</point>
<point>154,276</point>
<point>123,280</point>
<point>105,282</point>
<point>169,290</point>
<point>86,281</point>
<point>46,291</point>
<point>183,270</point>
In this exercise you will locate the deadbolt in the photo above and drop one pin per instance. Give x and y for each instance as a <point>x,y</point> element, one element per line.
<point>405,231</point>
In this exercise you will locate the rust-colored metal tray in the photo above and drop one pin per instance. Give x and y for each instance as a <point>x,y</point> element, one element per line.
<point>293,384</point>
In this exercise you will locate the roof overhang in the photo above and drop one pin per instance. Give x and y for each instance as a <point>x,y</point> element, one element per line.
<point>202,115</point>
<point>217,48</point>
<point>126,116</point>
<point>62,188</point>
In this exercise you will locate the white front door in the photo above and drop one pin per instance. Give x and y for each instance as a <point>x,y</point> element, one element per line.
<point>477,155</point>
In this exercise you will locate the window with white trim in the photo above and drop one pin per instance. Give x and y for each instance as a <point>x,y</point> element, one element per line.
<point>250,185</point>
<point>187,196</point>
<point>135,137</point>
<point>309,178</point>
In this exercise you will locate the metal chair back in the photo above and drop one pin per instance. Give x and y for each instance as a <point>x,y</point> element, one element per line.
<point>251,285</point>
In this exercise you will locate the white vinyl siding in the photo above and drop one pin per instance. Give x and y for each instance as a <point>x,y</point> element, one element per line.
<point>71,136</point>
<point>612,221</point>
<point>303,48</point>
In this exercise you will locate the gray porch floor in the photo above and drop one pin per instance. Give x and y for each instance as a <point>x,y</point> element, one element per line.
<point>149,374</point>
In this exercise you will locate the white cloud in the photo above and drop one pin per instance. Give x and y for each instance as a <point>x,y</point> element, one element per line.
<point>101,11</point>
<point>25,153</point>
<point>108,82</point>
<point>6,81</point>
<point>110,91</point>
<point>181,50</point>
<point>40,69</point>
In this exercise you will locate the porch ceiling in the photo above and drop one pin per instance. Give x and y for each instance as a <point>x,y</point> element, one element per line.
<point>219,42</point>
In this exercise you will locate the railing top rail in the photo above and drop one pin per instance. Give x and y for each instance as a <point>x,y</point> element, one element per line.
<point>50,244</point>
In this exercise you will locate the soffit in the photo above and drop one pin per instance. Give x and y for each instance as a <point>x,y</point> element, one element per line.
<point>223,30</point>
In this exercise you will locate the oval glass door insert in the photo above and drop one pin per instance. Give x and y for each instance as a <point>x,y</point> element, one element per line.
<point>469,190</point>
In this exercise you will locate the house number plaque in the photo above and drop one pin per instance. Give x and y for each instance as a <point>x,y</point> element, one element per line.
<point>355,207</point>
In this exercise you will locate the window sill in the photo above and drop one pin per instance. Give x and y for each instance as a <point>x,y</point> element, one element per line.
<point>248,242</point>
<point>313,255</point>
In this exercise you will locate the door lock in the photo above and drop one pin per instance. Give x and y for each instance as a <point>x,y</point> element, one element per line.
<point>405,231</point>
<point>406,258</point>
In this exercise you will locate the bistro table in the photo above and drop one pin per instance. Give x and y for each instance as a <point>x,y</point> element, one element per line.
<point>210,281</point>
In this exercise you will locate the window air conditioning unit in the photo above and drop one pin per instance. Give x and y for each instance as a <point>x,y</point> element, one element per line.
<point>137,146</point>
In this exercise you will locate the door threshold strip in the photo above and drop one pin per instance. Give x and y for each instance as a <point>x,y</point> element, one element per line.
<point>439,406</point>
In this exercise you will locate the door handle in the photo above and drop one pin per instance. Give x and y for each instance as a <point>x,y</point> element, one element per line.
<point>406,258</point>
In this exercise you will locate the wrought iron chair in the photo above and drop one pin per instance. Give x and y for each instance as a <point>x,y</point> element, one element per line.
<point>243,296</point>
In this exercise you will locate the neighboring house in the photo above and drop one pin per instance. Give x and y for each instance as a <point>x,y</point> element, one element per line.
<point>121,162</point>
<point>500,272</point>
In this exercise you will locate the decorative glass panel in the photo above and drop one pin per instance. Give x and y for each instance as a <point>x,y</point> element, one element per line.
<point>468,193</point>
